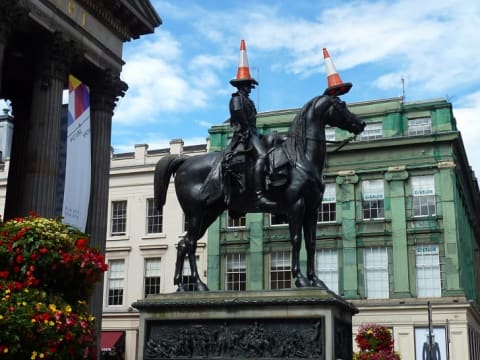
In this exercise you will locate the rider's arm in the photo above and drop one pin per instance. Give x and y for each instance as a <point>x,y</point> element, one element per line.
<point>238,117</point>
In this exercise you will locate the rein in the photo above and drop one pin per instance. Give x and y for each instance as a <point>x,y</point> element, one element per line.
<point>340,143</point>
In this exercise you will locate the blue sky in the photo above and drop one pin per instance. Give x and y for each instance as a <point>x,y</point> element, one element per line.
<point>179,76</point>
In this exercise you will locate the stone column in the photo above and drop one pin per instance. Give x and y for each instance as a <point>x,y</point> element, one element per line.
<point>42,144</point>
<point>13,15</point>
<point>255,252</point>
<point>104,92</point>
<point>396,177</point>
<point>347,180</point>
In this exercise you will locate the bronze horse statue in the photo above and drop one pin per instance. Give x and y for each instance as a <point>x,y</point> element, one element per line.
<point>298,198</point>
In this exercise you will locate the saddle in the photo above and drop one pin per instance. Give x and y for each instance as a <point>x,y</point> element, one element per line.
<point>232,171</point>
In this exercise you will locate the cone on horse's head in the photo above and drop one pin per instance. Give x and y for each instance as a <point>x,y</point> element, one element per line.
<point>243,73</point>
<point>336,86</point>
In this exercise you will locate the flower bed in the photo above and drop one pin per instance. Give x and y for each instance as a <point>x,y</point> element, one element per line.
<point>47,272</point>
<point>375,343</point>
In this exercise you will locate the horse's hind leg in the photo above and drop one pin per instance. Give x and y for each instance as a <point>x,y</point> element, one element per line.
<point>187,247</point>
<point>196,228</point>
<point>309,232</point>
<point>295,219</point>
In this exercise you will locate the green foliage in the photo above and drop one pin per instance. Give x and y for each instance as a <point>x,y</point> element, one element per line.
<point>47,271</point>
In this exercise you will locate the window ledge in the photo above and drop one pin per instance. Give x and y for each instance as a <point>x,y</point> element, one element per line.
<point>154,236</point>
<point>118,237</point>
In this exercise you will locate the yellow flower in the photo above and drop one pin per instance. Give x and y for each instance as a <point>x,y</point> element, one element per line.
<point>52,307</point>
<point>34,321</point>
<point>51,323</point>
<point>68,309</point>
<point>24,303</point>
<point>41,355</point>
<point>1,317</point>
<point>34,355</point>
<point>5,350</point>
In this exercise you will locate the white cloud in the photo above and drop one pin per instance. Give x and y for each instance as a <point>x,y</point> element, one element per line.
<point>467,115</point>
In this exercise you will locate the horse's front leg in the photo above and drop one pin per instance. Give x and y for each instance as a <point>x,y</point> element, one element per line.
<point>295,219</point>
<point>310,234</point>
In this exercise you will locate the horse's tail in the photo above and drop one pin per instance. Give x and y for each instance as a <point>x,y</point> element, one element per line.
<point>164,169</point>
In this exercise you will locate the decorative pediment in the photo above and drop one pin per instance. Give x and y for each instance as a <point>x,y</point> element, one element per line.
<point>128,18</point>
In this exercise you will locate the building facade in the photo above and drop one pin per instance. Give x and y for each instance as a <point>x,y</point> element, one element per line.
<point>141,243</point>
<point>398,229</point>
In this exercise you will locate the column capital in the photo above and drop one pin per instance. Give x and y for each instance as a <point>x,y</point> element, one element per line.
<point>399,175</point>
<point>13,15</point>
<point>345,178</point>
<point>106,90</point>
<point>57,57</point>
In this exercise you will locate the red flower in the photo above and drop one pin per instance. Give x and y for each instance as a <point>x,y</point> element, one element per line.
<point>19,259</point>
<point>4,274</point>
<point>43,250</point>
<point>81,243</point>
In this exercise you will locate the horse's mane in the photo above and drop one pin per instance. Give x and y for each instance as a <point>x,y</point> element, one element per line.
<point>296,142</point>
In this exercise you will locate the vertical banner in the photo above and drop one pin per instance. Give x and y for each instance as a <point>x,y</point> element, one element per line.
<point>78,168</point>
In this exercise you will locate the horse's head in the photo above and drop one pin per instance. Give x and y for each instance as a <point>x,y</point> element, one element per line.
<point>338,115</point>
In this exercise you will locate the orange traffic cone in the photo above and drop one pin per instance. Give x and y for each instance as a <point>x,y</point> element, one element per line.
<point>243,72</point>
<point>336,86</point>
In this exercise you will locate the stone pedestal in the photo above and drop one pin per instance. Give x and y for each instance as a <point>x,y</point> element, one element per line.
<point>293,324</point>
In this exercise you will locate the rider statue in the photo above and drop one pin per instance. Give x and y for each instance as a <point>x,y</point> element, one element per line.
<point>243,119</point>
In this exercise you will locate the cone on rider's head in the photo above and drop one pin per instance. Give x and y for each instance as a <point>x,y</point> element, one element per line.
<point>336,86</point>
<point>243,73</point>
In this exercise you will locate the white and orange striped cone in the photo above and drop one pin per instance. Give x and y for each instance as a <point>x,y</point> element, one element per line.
<point>336,86</point>
<point>243,72</point>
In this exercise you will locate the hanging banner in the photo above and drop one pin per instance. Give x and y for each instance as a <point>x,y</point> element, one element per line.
<point>78,168</point>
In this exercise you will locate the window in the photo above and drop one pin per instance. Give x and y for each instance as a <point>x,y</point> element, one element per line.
<point>154,218</point>
<point>376,273</point>
<point>119,217</point>
<point>280,270</point>
<point>235,223</point>
<point>152,276</point>
<point>371,132</point>
<point>330,134</point>
<point>278,219</point>
<point>328,208</point>
<point>327,268</point>
<point>420,126</point>
<point>423,196</point>
<point>428,271</point>
<point>373,199</point>
<point>115,282</point>
<point>236,272</point>
<point>187,278</point>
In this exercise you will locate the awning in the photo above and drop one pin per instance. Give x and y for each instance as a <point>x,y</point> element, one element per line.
<point>109,339</point>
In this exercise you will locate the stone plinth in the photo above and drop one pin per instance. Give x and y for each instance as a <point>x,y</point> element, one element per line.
<point>293,323</point>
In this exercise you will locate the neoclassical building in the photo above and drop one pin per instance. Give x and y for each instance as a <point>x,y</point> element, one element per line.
<point>398,232</point>
<point>41,43</point>
<point>141,246</point>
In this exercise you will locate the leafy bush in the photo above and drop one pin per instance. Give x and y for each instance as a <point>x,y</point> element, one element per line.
<point>47,271</point>
<point>375,343</point>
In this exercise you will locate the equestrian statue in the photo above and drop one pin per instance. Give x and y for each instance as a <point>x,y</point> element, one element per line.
<point>256,173</point>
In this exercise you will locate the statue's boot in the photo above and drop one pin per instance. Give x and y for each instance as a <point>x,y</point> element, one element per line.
<point>258,181</point>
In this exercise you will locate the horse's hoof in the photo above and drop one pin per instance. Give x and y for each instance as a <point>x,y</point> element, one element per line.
<point>200,286</point>
<point>182,288</point>
<point>302,281</point>
<point>316,282</point>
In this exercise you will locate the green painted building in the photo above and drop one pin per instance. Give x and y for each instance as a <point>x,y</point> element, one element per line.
<point>398,228</point>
